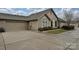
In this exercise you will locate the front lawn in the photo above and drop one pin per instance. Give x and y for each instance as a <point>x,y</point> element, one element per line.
<point>56,31</point>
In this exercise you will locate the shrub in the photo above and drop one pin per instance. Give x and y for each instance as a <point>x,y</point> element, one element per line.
<point>68,27</point>
<point>2,30</point>
<point>45,28</point>
<point>40,29</point>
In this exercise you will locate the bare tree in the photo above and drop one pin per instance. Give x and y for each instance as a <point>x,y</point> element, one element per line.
<point>68,15</point>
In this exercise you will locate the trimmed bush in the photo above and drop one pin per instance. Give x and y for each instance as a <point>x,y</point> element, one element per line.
<point>2,30</point>
<point>68,27</point>
<point>45,28</point>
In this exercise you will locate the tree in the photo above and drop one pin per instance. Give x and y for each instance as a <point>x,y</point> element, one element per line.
<point>68,16</point>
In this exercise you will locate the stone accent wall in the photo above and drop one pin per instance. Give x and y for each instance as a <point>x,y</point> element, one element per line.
<point>53,19</point>
<point>44,22</point>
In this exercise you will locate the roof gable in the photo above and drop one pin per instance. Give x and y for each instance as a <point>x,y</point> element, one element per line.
<point>40,14</point>
<point>47,17</point>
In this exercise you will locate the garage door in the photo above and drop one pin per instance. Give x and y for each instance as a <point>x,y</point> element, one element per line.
<point>15,25</point>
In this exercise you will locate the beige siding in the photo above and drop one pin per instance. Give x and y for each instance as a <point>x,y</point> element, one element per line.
<point>18,25</point>
<point>15,25</point>
<point>33,25</point>
<point>42,22</point>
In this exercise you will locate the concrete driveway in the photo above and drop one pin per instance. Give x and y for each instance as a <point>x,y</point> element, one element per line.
<point>28,40</point>
<point>1,42</point>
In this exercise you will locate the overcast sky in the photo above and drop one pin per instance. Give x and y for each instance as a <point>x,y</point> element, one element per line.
<point>28,11</point>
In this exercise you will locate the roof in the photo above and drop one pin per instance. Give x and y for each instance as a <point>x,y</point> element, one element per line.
<point>11,17</point>
<point>26,18</point>
<point>61,20</point>
<point>40,14</point>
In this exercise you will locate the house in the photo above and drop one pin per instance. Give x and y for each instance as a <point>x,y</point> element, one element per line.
<point>46,18</point>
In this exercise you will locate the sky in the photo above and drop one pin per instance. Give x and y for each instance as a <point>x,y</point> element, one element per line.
<point>28,11</point>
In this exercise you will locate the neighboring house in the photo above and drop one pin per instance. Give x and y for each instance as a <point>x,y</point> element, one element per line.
<point>46,18</point>
<point>64,23</point>
<point>74,23</point>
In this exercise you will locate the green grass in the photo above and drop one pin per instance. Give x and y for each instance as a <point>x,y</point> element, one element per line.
<point>56,31</point>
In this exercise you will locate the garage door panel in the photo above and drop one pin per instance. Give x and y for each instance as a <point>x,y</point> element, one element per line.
<point>15,26</point>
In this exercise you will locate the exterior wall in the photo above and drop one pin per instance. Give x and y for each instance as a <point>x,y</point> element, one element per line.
<point>2,24</point>
<point>44,22</point>
<point>53,18</point>
<point>18,25</point>
<point>33,25</point>
<point>53,23</point>
<point>75,25</point>
<point>15,26</point>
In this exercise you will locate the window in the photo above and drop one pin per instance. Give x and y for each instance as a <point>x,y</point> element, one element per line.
<point>44,23</point>
<point>51,23</point>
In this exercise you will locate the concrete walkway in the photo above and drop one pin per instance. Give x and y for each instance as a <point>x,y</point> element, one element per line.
<point>27,40</point>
